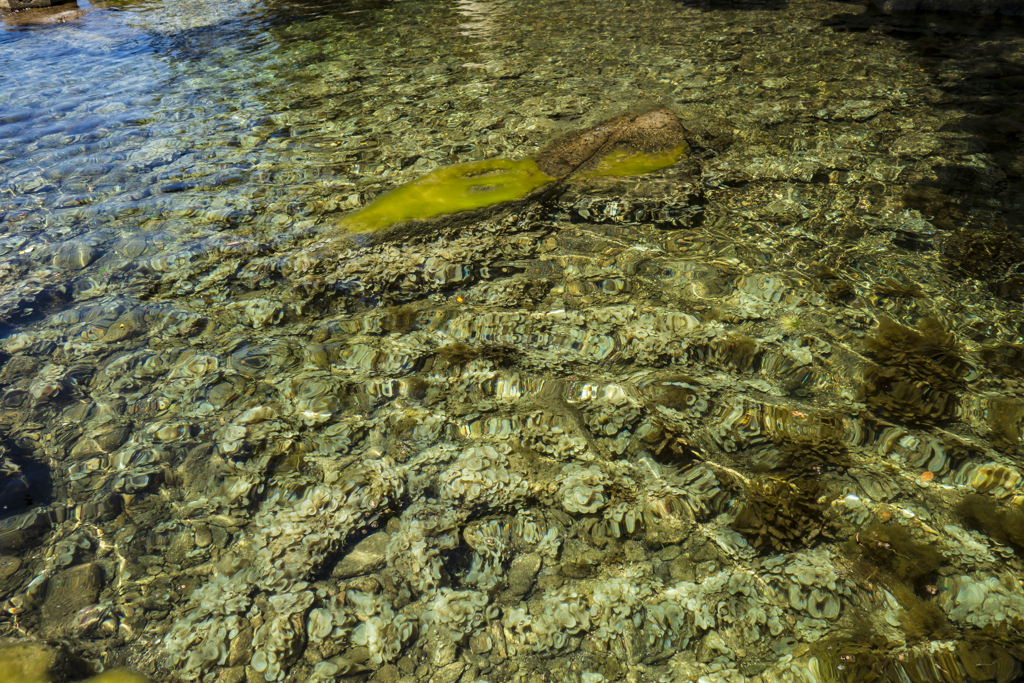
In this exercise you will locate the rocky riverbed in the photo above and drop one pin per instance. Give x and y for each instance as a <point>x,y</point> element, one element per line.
<point>752,417</point>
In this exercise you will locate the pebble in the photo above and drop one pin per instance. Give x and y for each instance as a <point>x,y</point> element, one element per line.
<point>203,536</point>
<point>522,572</point>
<point>366,557</point>
<point>449,674</point>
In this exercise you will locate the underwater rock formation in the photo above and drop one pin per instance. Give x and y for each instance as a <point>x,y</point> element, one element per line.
<point>630,144</point>
<point>624,145</point>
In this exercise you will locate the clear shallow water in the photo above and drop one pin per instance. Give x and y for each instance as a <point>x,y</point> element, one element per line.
<point>610,390</point>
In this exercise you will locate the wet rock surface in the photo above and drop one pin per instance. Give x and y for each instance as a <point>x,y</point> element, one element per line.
<point>755,416</point>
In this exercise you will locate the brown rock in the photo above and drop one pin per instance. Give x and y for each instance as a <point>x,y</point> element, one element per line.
<point>448,674</point>
<point>203,536</point>
<point>240,650</point>
<point>9,566</point>
<point>67,593</point>
<point>366,557</point>
<point>579,560</point>
<point>653,131</point>
<point>681,568</point>
<point>388,673</point>
<point>480,644</point>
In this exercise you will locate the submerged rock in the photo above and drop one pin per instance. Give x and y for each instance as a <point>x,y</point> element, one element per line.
<point>624,145</point>
<point>630,144</point>
<point>28,661</point>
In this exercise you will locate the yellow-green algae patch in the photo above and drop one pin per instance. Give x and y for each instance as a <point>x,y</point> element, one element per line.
<point>451,189</point>
<point>24,663</point>
<point>629,162</point>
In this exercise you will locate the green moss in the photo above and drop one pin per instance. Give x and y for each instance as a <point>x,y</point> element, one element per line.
<point>894,554</point>
<point>631,162</point>
<point>852,657</point>
<point>920,620</point>
<point>1004,525</point>
<point>451,189</point>
<point>892,288</point>
<point>929,353</point>
<point>920,371</point>
<point>809,457</point>
<point>1005,420</point>
<point>781,516</point>
<point>984,254</point>
<point>867,657</point>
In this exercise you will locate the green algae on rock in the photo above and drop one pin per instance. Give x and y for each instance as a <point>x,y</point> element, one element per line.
<point>624,145</point>
<point>451,189</point>
<point>29,661</point>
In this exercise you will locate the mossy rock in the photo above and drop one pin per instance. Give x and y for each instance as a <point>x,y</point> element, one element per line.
<point>28,661</point>
<point>929,354</point>
<point>893,555</point>
<point>622,146</point>
<point>1002,522</point>
<point>451,189</point>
